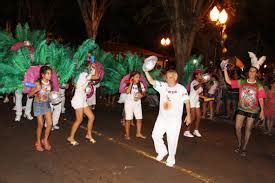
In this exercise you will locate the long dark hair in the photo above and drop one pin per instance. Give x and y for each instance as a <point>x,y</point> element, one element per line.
<point>43,70</point>
<point>132,74</point>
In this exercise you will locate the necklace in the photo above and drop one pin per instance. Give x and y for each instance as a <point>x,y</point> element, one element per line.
<point>251,82</point>
<point>45,83</point>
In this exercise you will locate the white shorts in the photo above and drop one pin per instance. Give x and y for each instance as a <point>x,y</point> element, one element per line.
<point>194,103</point>
<point>131,110</point>
<point>79,101</point>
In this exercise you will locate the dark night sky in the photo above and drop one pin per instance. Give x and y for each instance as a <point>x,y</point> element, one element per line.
<point>253,17</point>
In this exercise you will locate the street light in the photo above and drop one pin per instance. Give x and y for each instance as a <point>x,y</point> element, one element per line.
<point>217,16</point>
<point>220,17</point>
<point>165,42</point>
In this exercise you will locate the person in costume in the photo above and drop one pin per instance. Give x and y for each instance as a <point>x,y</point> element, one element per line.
<point>195,94</point>
<point>172,98</point>
<point>132,105</point>
<point>251,95</point>
<point>42,108</point>
<point>211,93</point>
<point>18,106</point>
<point>79,103</point>
<point>19,95</point>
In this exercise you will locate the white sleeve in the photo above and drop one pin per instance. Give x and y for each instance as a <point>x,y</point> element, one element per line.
<point>184,94</point>
<point>159,86</point>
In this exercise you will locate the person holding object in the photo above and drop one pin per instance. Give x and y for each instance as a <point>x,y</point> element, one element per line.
<point>251,94</point>
<point>196,92</point>
<point>132,105</point>
<point>79,103</point>
<point>41,107</point>
<point>172,99</point>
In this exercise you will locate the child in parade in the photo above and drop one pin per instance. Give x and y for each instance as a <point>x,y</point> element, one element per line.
<point>132,105</point>
<point>42,108</point>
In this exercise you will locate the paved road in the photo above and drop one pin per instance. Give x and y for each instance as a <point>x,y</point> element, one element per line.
<point>112,159</point>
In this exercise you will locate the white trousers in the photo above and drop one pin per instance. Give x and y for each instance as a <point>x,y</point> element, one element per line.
<point>18,103</point>
<point>56,113</point>
<point>172,129</point>
<point>62,93</point>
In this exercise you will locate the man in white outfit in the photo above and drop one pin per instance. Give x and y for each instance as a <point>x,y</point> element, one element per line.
<point>172,99</point>
<point>19,108</point>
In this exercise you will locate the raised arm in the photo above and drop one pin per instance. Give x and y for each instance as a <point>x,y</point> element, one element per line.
<point>149,78</point>
<point>226,76</point>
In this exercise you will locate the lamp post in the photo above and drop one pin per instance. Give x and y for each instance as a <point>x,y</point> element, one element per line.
<point>220,18</point>
<point>165,42</point>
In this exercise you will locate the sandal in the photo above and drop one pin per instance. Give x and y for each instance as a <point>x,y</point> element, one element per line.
<point>72,142</point>
<point>90,139</point>
<point>237,150</point>
<point>127,137</point>
<point>141,136</point>
<point>47,146</point>
<point>38,147</point>
<point>243,153</point>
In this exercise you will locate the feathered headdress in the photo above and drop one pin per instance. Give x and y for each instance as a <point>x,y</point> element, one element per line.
<point>255,62</point>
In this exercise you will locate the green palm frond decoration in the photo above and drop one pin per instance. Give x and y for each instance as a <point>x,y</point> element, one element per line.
<point>82,52</point>
<point>37,37</point>
<point>21,59</point>
<point>191,65</point>
<point>19,33</point>
<point>27,32</point>
<point>6,40</point>
<point>41,53</point>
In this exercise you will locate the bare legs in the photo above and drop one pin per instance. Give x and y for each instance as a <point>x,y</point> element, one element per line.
<point>139,127</point>
<point>78,120</point>
<point>45,141</point>
<point>248,129</point>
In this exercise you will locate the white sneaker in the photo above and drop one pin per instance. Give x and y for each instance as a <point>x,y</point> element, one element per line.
<point>28,116</point>
<point>56,127</point>
<point>160,156</point>
<point>6,100</point>
<point>17,118</point>
<point>170,162</point>
<point>197,133</point>
<point>188,134</point>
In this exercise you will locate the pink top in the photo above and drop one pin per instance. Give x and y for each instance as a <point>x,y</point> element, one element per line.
<point>249,95</point>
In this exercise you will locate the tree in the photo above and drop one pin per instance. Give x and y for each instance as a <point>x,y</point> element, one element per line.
<point>185,21</point>
<point>92,12</point>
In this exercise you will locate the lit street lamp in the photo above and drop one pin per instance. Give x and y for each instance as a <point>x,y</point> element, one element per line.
<point>220,17</point>
<point>217,16</point>
<point>165,42</point>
